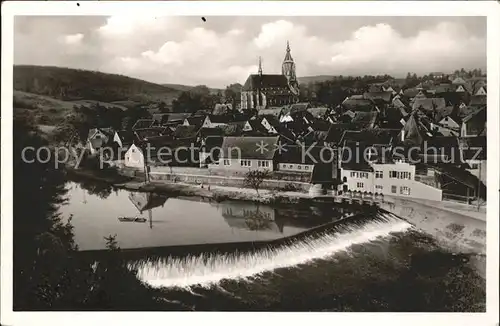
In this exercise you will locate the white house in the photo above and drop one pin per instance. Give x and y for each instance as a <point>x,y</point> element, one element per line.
<point>392,179</point>
<point>134,157</point>
<point>243,154</point>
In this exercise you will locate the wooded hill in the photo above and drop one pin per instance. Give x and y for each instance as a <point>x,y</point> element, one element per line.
<point>74,84</point>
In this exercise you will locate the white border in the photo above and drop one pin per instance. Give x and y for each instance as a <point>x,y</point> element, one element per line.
<point>491,9</point>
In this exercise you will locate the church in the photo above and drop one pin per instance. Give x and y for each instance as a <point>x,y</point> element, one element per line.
<point>263,90</point>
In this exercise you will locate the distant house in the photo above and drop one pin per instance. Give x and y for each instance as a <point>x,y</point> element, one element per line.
<point>304,159</point>
<point>222,109</point>
<point>477,101</point>
<point>451,121</point>
<point>358,104</point>
<point>98,138</point>
<point>319,112</point>
<point>473,150</point>
<point>146,133</point>
<point>143,124</point>
<point>213,121</point>
<point>243,154</point>
<point>474,124</point>
<point>134,157</point>
<point>429,105</point>
<point>379,97</point>
<point>254,127</point>
<point>364,120</point>
<point>194,121</point>
<point>361,173</point>
<point>275,112</point>
<point>210,150</point>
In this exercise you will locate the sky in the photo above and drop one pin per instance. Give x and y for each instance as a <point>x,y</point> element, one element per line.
<point>224,50</point>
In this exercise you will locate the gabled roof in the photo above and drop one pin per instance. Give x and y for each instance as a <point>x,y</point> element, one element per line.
<point>336,131</point>
<point>143,134</point>
<point>259,148</point>
<point>185,132</point>
<point>473,147</point>
<point>429,104</point>
<point>384,97</point>
<point>318,113</point>
<point>356,104</point>
<point>410,92</point>
<point>160,118</point>
<point>143,124</point>
<point>277,112</point>
<point>195,121</point>
<point>447,111</point>
<point>365,119</point>
<point>354,158</point>
<point>306,154</point>
<point>478,100</point>
<point>299,107</point>
<point>177,116</point>
<point>108,132</point>
<point>376,136</point>
<point>476,115</point>
<point>221,109</point>
<point>256,81</point>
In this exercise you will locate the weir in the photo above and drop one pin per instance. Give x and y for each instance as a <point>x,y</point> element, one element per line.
<point>206,268</point>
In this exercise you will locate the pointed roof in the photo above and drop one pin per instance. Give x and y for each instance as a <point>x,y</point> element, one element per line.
<point>288,55</point>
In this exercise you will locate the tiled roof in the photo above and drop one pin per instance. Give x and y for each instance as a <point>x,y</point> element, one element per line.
<point>318,112</point>
<point>384,97</point>
<point>429,104</point>
<point>478,100</point>
<point>260,148</point>
<point>336,131</point>
<point>365,119</point>
<point>356,104</point>
<point>306,154</point>
<point>277,112</point>
<point>143,124</point>
<point>221,109</point>
<point>185,132</point>
<point>256,81</point>
<point>376,136</point>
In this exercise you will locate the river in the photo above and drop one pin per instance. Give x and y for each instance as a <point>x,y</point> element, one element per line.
<point>382,264</point>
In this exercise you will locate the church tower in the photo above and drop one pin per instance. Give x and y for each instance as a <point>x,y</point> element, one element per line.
<point>288,69</point>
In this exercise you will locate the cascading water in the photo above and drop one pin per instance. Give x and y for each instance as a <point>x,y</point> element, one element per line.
<point>206,270</point>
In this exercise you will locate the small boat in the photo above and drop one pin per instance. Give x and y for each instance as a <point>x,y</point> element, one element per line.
<point>132,219</point>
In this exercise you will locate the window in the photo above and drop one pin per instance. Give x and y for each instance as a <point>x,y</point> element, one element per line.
<point>379,174</point>
<point>291,166</point>
<point>299,167</point>
<point>246,163</point>
<point>400,175</point>
<point>394,189</point>
<point>474,166</point>
<point>379,187</point>
<point>306,167</point>
<point>133,150</point>
<point>226,162</point>
<point>263,164</point>
<point>404,190</point>
<point>359,185</point>
<point>353,174</point>
<point>283,166</point>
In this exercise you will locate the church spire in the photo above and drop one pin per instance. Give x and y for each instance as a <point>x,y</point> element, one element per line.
<point>260,66</point>
<point>288,69</point>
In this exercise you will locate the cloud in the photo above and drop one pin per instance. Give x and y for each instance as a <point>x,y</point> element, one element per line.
<point>225,50</point>
<point>73,39</point>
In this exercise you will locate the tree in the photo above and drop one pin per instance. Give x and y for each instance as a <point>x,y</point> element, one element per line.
<point>254,179</point>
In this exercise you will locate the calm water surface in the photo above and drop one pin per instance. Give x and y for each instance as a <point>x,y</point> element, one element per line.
<point>382,265</point>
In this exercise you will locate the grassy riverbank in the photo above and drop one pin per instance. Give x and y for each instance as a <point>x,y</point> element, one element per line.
<point>217,193</point>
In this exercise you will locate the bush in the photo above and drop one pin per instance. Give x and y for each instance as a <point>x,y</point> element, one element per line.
<point>290,187</point>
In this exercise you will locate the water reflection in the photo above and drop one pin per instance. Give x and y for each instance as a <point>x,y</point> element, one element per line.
<point>250,217</point>
<point>144,220</point>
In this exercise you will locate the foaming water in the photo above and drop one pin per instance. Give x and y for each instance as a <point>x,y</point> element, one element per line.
<point>209,269</point>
